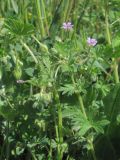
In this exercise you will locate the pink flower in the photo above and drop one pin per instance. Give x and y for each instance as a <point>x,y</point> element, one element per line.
<point>67,26</point>
<point>91,41</point>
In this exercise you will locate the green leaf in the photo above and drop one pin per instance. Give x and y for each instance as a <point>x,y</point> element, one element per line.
<point>112,106</point>
<point>15,6</point>
<point>86,126</point>
<point>7,112</point>
<point>19,150</point>
<point>29,71</point>
<point>67,89</point>
<point>18,27</point>
<point>99,125</point>
<point>82,125</point>
<point>112,103</point>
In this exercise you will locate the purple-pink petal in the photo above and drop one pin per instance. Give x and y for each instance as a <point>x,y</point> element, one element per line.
<point>67,25</point>
<point>91,41</point>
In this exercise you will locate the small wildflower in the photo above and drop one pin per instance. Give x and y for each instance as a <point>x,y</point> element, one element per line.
<point>67,26</point>
<point>20,81</point>
<point>91,41</point>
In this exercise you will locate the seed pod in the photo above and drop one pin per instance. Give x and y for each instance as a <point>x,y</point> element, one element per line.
<point>44,47</point>
<point>17,72</point>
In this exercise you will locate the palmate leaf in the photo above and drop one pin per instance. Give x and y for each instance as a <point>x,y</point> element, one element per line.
<point>82,125</point>
<point>99,125</point>
<point>112,103</point>
<point>68,89</point>
<point>112,109</point>
<point>18,27</point>
<point>79,123</point>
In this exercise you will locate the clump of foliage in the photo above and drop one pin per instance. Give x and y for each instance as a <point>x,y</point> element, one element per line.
<point>59,80</point>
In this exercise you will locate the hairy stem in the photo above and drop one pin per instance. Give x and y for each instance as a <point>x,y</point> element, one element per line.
<point>7,141</point>
<point>93,151</point>
<point>59,123</point>
<point>79,99</point>
<point>45,17</point>
<point>115,65</point>
<point>29,50</point>
<point>85,115</point>
<point>40,21</point>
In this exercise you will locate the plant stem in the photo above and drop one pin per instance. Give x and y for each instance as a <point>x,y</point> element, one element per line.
<point>46,22</point>
<point>65,13</point>
<point>59,123</point>
<point>58,145</point>
<point>32,154</point>
<point>25,11</point>
<point>79,98</point>
<point>85,115</point>
<point>57,135</point>
<point>40,21</point>
<point>82,105</point>
<point>93,151</point>
<point>44,47</point>
<point>7,141</point>
<point>115,65</point>
<point>29,50</point>
<point>65,4</point>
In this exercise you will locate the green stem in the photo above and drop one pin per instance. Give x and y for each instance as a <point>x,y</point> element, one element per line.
<point>50,151</point>
<point>46,22</point>
<point>7,142</point>
<point>8,5</point>
<point>65,13</point>
<point>40,21</point>
<point>32,154</point>
<point>25,11</point>
<point>71,4</point>
<point>59,116</point>
<point>31,90</point>
<point>43,47</point>
<point>115,65</point>
<point>92,150</point>
<point>85,115</point>
<point>116,71</point>
<point>59,122</point>
<point>29,50</point>
<point>58,145</point>
<point>57,135</point>
<point>79,98</point>
<point>82,105</point>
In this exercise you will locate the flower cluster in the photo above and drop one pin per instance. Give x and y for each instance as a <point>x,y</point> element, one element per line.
<point>91,41</point>
<point>67,26</point>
